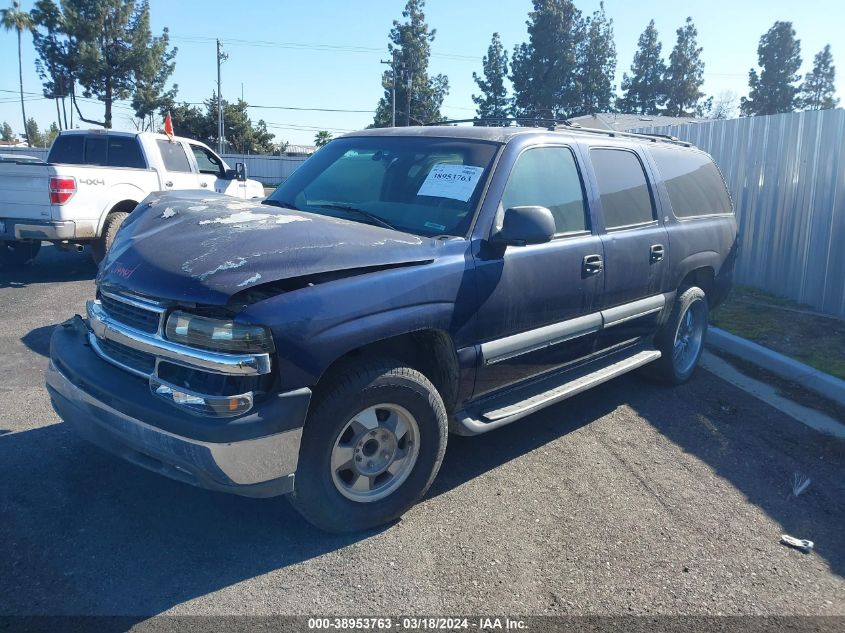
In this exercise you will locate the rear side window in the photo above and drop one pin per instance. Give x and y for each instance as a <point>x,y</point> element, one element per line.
<point>67,149</point>
<point>548,177</point>
<point>694,183</point>
<point>174,157</point>
<point>124,151</point>
<point>623,187</point>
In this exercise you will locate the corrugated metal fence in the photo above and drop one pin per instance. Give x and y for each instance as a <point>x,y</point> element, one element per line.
<point>270,170</point>
<point>786,174</point>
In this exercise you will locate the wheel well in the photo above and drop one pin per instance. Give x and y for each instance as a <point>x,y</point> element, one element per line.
<point>701,277</point>
<point>431,352</point>
<point>123,205</point>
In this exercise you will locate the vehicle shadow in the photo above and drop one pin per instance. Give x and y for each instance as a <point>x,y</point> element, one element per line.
<point>52,265</point>
<point>38,339</point>
<point>84,532</point>
<point>758,450</point>
<point>97,535</point>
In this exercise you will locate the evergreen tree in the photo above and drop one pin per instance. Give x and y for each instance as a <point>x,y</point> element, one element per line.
<point>493,104</point>
<point>545,70</point>
<point>111,49</point>
<point>774,90</point>
<point>818,89</point>
<point>644,89</point>
<point>597,65</point>
<point>6,132</point>
<point>51,134</point>
<point>685,74</point>
<point>242,135</point>
<point>56,63</point>
<point>418,96</point>
<point>33,134</point>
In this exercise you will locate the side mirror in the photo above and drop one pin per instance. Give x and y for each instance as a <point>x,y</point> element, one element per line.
<point>526,225</point>
<point>240,171</point>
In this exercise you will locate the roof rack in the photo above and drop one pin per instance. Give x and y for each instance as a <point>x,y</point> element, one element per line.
<point>649,136</point>
<point>554,124</point>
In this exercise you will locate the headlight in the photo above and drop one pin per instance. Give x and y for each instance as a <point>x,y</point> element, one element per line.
<point>218,335</point>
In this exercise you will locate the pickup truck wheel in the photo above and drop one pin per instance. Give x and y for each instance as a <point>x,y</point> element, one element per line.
<point>101,246</point>
<point>13,254</point>
<point>371,447</point>
<point>681,339</point>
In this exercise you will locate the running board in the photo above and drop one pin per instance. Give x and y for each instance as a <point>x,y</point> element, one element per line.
<point>492,414</point>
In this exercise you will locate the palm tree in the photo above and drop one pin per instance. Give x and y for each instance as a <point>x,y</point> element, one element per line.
<point>18,20</point>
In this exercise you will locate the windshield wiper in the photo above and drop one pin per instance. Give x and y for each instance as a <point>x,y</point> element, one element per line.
<point>365,214</point>
<point>279,203</point>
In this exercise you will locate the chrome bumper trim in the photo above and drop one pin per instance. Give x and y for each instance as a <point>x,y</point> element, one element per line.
<point>244,463</point>
<point>104,327</point>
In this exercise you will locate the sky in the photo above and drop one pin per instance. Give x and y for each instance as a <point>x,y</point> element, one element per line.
<point>326,53</point>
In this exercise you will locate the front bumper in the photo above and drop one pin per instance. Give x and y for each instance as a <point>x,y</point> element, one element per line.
<point>254,456</point>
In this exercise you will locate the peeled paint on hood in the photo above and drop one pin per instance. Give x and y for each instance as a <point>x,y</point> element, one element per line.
<point>196,248</point>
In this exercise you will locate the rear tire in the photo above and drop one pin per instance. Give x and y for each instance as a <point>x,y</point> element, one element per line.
<point>101,246</point>
<point>16,254</point>
<point>352,473</point>
<point>681,339</point>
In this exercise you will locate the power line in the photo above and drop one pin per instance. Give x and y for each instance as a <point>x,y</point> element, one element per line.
<point>339,48</point>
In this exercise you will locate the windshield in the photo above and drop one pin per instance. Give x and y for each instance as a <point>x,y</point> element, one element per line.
<point>426,186</point>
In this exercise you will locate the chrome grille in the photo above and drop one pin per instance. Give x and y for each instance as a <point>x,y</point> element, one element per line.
<point>131,314</point>
<point>141,362</point>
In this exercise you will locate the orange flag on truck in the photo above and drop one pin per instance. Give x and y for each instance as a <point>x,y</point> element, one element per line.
<point>168,126</point>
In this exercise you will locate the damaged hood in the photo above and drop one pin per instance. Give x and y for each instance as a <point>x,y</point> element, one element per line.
<point>203,248</point>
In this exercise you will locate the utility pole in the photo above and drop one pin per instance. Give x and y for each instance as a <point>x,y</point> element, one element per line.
<point>410,80</point>
<point>392,64</point>
<point>221,130</point>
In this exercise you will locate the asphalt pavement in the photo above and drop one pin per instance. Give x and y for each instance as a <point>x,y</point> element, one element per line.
<point>629,499</point>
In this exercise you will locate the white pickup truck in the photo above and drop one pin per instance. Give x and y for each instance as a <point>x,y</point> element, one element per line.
<point>91,182</point>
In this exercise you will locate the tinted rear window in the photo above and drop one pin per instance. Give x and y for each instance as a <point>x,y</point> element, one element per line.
<point>174,157</point>
<point>694,183</point>
<point>625,197</point>
<point>112,151</point>
<point>96,150</point>
<point>67,149</point>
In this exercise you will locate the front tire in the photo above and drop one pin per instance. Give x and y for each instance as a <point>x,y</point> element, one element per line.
<point>16,254</point>
<point>101,246</point>
<point>681,339</point>
<point>371,447</point>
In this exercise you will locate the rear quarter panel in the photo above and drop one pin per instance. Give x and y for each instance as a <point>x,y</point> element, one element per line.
<point>697,242</point>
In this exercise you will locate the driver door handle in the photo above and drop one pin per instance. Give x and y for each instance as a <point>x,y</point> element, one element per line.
<point>657,252</point>
<point>592,265</point>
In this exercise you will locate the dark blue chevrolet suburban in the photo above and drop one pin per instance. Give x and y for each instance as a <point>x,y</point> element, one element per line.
<point>401,284</point>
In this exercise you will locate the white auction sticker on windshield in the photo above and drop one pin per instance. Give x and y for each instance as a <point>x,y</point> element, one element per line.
<point>451,181</point>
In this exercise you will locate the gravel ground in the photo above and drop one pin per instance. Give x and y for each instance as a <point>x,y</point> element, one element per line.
<point>630,499</point>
